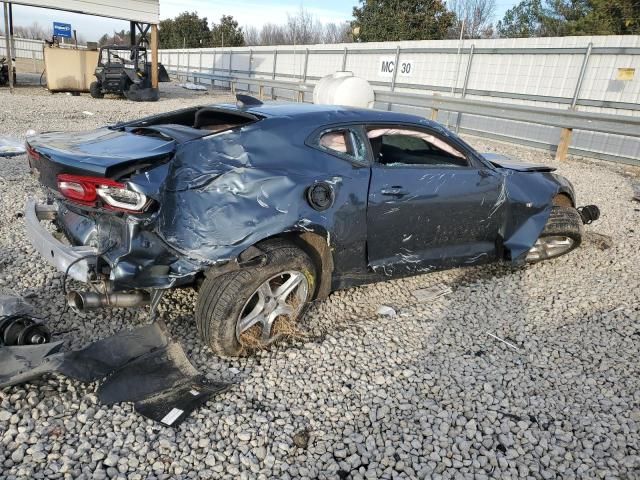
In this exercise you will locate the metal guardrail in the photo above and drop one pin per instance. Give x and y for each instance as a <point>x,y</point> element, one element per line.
<point>567,120</point>
<point>553,117</point>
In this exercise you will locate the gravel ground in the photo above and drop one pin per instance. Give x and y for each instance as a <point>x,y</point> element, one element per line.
<point>425,394</point>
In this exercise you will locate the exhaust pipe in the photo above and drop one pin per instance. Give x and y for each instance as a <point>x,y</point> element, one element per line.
<point>82,301</point>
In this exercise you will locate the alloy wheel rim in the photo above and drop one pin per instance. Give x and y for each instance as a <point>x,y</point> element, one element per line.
<point>550,247</point>
<point>278,299</point>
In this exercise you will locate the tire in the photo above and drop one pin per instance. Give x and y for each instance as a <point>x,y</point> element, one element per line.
<point>95,90</point>
<point>225,300</point>
<point>562,234</point>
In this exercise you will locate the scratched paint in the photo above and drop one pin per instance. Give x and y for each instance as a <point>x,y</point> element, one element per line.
<point>217,195</point>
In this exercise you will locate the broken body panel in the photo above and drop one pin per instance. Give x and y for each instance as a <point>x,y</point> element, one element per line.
<point>216,191</point>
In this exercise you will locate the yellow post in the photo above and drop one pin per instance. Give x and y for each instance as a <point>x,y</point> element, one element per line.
<point>154,56</point>
<point>434,114</point>
<point>563,145</point>
<point>261,92</point>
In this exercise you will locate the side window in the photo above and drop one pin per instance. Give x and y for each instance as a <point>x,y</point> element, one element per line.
<point>398,147</point>
<point>344,143</point>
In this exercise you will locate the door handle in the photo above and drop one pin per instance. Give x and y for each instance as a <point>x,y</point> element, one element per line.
<point>394,192</point>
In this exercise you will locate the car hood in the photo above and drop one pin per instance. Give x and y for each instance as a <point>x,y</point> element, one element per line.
<point>502,161</point>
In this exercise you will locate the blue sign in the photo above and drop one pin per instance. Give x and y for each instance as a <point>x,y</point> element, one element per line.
<point>61,29</point>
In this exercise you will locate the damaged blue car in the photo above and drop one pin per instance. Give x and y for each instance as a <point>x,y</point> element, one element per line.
<point>266,207</point>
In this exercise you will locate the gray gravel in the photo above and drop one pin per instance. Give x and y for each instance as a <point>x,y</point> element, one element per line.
<point>426,393</point>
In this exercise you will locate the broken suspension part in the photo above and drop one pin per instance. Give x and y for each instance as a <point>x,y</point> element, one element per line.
<point>22,330</point>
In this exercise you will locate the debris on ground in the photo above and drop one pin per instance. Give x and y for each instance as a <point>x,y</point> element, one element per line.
<point>431,293</point>
<point>509,344</point>
<point>636,191</point>
<point>386,311</point>
<point>17,325</point>
<point>603,242</point>
<point>88,113</point>
<point>10,147</point>
<point>144,366</point>
<point>193,86</point>
<point>301,439</point>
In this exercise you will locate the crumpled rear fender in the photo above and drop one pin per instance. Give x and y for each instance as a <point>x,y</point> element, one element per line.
<point>228,192</point>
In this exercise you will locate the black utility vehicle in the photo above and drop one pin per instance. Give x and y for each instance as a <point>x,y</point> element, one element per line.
<point>125,71</point>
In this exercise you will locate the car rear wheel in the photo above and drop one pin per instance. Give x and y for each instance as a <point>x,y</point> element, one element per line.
<point>247,310</point>
<point>561,234</point>
<point>95,89</point>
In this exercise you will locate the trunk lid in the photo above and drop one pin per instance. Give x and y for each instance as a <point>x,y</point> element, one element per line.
<point>105,152</point>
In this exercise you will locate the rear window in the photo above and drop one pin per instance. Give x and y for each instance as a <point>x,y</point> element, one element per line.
<point>211,119</point>
<point>344,143</point>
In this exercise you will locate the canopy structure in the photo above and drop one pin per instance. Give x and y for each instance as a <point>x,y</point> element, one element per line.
<point>144,15</point>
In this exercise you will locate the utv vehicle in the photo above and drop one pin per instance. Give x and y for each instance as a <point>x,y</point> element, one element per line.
<point>125,71</point>
<point>4,72</point>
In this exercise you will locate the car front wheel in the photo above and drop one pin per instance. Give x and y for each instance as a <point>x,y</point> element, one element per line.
<point>247,310</point>
<point>561,234</point>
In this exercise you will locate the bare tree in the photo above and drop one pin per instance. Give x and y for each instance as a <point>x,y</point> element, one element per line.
<point>477,16</point>
<point>303,28</point>
<point>251,35</point>
<point>272,34</point>
<point>337,33</point>
<point>33,31</point>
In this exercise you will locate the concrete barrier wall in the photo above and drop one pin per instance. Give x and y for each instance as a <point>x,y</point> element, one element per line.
<point>599,73</point>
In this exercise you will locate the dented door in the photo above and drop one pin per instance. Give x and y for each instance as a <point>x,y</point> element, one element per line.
<point>426,217</point>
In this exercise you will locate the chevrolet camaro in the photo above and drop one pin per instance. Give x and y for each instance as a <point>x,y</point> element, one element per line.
<point>266,207</point>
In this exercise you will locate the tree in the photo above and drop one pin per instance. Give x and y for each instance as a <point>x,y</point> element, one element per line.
<point>251,35</point>
<point>226,33</point>
<point>117,38</point>
<point>393,20</point>
<point>526,19</point>
<point>34,31</point>
<point>303,29</point>
<point>476,15</point>
<point>337,33</point>
<point>272,34</point>
<point>532,18</point>
<point>187,30</point>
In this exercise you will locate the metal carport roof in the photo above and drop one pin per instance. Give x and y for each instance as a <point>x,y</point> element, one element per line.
<point>136,11</point>
<point>143,11</point>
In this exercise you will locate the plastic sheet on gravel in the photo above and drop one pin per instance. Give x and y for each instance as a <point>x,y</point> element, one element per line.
<point>426,393</point>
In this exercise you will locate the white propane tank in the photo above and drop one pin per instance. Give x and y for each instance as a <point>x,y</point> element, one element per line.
<point>343,88</point>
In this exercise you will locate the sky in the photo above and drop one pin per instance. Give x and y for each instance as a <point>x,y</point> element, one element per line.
<point>247,12</point>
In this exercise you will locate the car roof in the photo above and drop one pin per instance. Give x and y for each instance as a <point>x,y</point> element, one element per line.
<point>323,114</point>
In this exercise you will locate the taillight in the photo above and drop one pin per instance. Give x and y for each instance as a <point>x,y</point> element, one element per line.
<point>88,190</point>
<point>77,190</point>
<point>122,198</point>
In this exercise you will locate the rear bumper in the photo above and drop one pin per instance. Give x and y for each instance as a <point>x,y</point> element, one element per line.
<point>80,261</point>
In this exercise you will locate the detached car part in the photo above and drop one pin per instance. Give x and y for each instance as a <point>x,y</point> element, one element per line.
<point>144,366</point>
<point>22,330</point>
<point>267,207</point>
